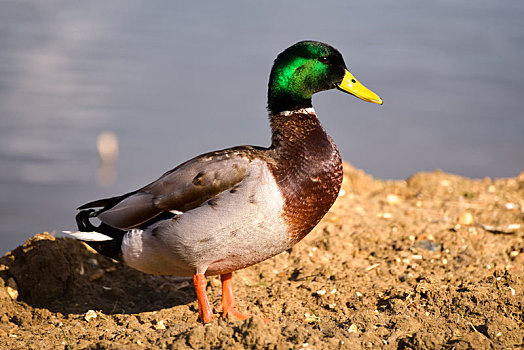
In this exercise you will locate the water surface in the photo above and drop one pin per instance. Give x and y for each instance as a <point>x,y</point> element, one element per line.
<point>176,80</point>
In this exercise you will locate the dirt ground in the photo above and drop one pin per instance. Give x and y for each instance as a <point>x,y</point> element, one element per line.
<point>433,262</point>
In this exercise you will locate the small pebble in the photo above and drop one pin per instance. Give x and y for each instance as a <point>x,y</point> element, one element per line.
<point>90,315</point>
<point>465,218</point>
<point>392,199</point>
<point>427,244</point>
<point>13,293</point>
<point>353,328</point>
<point>160,325</point>
<point>12,288</point>
<point>510,206</point>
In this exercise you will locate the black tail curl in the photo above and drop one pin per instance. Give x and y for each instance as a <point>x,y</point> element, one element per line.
<point>112,248</point>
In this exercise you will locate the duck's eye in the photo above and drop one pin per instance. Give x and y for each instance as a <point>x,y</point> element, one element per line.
<point>323,59</point>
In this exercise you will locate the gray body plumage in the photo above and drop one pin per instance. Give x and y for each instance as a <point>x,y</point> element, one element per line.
<point>228,216</point>
<point>237,228</point>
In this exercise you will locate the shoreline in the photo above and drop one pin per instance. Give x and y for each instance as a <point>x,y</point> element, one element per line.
<point>436,260</point>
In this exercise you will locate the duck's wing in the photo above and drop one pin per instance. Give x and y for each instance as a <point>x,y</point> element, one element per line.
<point>181,189</point>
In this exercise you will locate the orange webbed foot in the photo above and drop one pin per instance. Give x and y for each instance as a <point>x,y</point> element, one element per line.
<point>227,305</point>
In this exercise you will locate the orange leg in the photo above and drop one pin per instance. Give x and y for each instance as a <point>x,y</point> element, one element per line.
<point>227,305</point>
<point>204,307</point>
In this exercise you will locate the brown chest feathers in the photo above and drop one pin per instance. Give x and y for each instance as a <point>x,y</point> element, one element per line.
<point>307,168</point>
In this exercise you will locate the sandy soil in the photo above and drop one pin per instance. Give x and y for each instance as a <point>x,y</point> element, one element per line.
<point>436,261</point>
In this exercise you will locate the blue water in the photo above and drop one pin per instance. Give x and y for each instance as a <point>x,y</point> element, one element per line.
<point>176,80</point>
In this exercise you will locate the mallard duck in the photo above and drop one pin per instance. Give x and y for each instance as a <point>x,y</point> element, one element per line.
<point>226,210</point>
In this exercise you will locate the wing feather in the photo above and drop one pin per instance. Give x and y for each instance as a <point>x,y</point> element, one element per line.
<point>181,189</point>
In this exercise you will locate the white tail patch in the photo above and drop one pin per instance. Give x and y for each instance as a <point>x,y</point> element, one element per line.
<point>92,236</point>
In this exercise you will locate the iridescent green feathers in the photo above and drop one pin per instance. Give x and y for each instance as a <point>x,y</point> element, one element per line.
<point>300,71</point>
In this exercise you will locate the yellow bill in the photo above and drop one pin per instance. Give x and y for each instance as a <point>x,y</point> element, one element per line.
<point>352,86</point>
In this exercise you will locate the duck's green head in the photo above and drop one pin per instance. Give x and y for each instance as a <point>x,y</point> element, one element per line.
<point>306,68</point>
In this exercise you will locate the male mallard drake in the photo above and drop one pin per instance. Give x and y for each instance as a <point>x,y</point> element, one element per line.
<point>225,210</point>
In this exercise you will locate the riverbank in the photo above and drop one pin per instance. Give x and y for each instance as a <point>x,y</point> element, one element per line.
<point>435,261</point>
